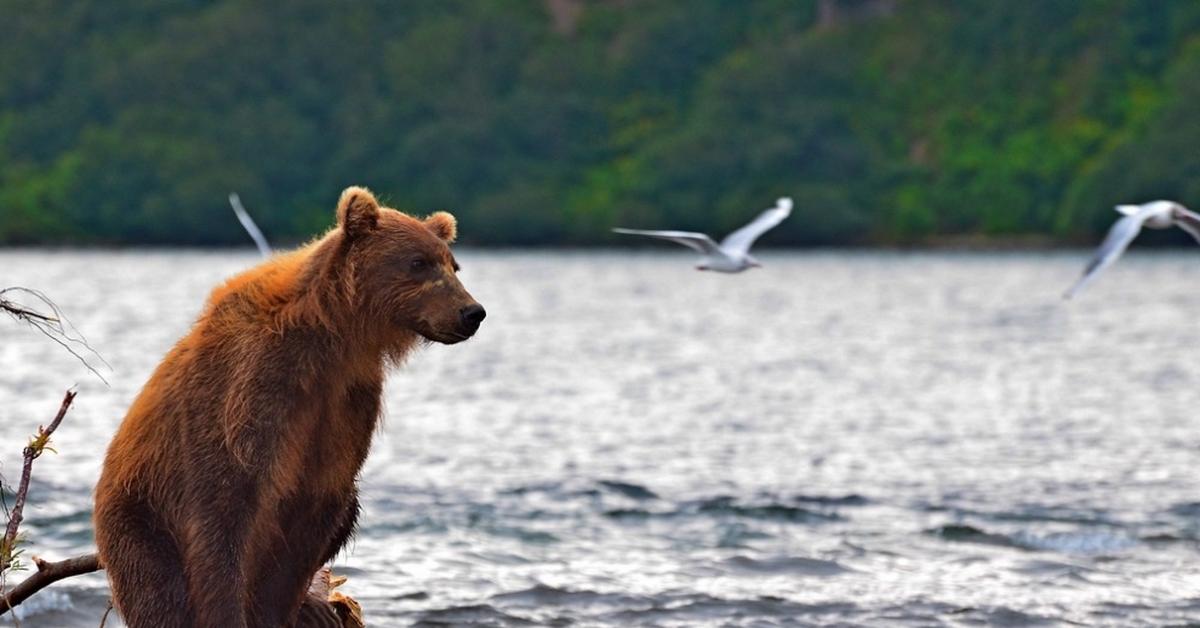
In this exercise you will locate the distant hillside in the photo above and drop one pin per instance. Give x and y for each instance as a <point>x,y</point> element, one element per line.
<point>888,121</point>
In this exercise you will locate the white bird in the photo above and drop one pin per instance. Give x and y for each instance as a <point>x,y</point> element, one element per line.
<point>248,223</point>
<point>1155,214</point>
<point>733,254</point>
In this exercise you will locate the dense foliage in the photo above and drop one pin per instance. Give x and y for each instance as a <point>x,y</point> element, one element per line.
<point>549,121</point>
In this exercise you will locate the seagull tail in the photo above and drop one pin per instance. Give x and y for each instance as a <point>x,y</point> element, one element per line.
<point>1080,284</point>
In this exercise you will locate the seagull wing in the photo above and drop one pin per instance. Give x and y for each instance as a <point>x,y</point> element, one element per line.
<point>739,242</point>
<point>691,239</point>
<point>1119,236</point>
<point>248,223</point>
<point>1187,220</point>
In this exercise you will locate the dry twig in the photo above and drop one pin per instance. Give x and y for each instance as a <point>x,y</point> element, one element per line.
<point>53,325</point>
<point>107,609</point>
<point>47,572</point>
<point>32,451</point>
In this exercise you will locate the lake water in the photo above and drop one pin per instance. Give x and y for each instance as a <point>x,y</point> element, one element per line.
<point>837,439</point>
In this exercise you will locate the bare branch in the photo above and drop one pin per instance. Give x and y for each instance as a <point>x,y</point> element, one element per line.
<point>107,610</point>
<point>32,451</point>
<point>47,574</point>
<point>53,325</point>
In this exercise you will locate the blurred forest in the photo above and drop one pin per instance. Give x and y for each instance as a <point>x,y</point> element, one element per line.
<point>546,122</point>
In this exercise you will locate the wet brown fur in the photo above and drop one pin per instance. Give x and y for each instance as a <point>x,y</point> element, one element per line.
<point>233,476</point>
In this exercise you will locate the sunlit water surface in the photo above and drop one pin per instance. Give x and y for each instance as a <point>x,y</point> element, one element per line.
<point>837,439</point>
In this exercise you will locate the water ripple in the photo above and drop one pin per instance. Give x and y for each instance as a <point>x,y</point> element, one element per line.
<point>839,439</point>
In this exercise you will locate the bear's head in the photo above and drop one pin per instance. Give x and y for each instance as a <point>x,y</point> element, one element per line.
<point>404,274</point>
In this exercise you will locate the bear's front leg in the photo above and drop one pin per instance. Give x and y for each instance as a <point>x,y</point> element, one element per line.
<point>216,554</point>
<point>292,549</point>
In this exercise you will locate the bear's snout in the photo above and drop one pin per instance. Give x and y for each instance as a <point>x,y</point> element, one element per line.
<point>472,316</point>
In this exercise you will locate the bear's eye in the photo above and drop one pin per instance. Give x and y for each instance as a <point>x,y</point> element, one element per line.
<point>418,263</point>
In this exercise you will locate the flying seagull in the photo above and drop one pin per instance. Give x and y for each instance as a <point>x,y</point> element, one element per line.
<point>259,239</point>
<point>1155,214</point>
<point>733,254</point>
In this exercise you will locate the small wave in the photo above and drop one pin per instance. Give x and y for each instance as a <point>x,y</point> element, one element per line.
<point>703,610</point>
<point>1003,616</point>
<point>727,507</point>
<point>1079,542</point>
<point>545,605</point>
<point>422,524</point>
<point>544,487</point>
<point>73,527</point>
<point>632,513</point>
<point>498,558</point>
<point>1051,568</point>
<point>1076,542</point>
<point>415,596</point>
<point>960,533</point>
<point>787,565</point>
<point>525,535</point>
<point>561,490</point>
<point>774,511</point>
<point>632,491</point>
<point>852,499</point>
<point>48,601</point>
<point>542,596</point>
<point>1030,513</point>
<point>1167,539</point>
<point>1189,509</point>
<point>738,535</point>
<point>473,615</point>
<point>1041,514</point>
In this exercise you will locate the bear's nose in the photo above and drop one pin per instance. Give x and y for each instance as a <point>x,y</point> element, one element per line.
<point>472,316</point>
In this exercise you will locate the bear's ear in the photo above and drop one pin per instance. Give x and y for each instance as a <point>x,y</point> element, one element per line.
<point>443,225</point>
<point>357,212</point>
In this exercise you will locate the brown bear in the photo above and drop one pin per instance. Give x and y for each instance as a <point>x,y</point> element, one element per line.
<point>232,479</point>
